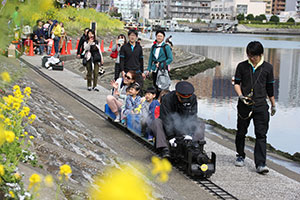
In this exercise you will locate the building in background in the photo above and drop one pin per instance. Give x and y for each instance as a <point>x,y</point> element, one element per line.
<point>99,5</point>
<point>250,7</point>
<point>190,10</point>
<point>298,7</point>
<point>278,6</point>
<point>128,8</point>
<point>223,9</point>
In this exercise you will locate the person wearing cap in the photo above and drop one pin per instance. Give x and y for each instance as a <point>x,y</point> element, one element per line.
<point>160,56</point>
<point>254,82</point>
<point>178,117</point>
<point>56,31</point>
<point>131,58</point>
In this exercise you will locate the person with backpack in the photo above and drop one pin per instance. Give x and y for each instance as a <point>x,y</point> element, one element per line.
<point>80,43</point>
<point>116,53</point>
<point>159,60</point>
<point>94,60</point>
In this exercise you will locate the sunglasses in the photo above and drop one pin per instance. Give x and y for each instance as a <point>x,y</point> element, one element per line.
<point>128,77</point>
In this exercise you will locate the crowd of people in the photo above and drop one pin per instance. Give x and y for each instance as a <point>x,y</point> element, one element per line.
<point>165,114</point>
<point>44,35</point>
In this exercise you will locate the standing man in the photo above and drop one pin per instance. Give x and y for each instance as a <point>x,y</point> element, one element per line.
<point>131,58</point>
<point>57,35</point>
<point>254,81</point>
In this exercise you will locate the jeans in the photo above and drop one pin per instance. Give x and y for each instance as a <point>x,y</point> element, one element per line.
<point>56,44</point>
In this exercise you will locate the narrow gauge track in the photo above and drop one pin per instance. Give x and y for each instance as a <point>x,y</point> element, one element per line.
<point>207,184</point>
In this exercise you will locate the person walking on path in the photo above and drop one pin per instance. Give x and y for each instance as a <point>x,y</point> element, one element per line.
<point>160,57</point>
<point>56,31</point>
<point>80,44</point>
<point>94,59</point>
<point>131,58</point>
<point>116,48</point>
<point>254,81</point>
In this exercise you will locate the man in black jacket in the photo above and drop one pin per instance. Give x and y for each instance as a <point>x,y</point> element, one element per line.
<point>254,81</point>
<point>81,41</point>
<point>131,58</point>
<point>178,117</point>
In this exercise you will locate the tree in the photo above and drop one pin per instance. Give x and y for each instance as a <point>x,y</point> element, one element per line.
<point>274,18</point>
<point>263,17</point>
<point>291,20</point>
<point>250,17</point>
<point>240,17</point>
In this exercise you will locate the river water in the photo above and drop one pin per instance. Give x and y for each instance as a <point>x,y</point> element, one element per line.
<point>217,99</point>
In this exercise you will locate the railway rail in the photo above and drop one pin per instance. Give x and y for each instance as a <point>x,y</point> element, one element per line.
<point>205,183</point>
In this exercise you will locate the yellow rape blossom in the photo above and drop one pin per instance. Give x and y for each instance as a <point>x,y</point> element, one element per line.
<point>5,77</point>
<point>2,134</point>
<point>32,118</point>
<point>65,170</point>
<point>26,133</point>
<point>31,137</point>
<point>10,136</point>
<point>16,106</point>
<point>124,183</point>
<point>12,194</point>
<point>49,181</point>
<point>2,171</point>
<point>26,110</point>
<point>17,175</point>
<point>162,168</point>
<point>7,121</point>
<point>27,91</point>
<point>34,180</point>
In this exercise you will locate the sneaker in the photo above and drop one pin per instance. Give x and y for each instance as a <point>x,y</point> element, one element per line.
<point>117,120</point>
<point>89,89</point>
<point>96,89</point>
<point>165,153</point>
<point>262,169</point>
<point>239,161</point>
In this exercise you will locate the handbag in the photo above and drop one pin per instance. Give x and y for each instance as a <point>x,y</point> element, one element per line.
<point>84,61</point>
<point>114,54</point>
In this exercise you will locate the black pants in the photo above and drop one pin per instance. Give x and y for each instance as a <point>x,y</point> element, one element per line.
<point>154,78</point>
<point>260,118</point>
<point>117,71</point>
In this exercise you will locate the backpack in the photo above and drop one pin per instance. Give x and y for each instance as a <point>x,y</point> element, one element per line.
<point>114,54</point>
<point>163,80</point>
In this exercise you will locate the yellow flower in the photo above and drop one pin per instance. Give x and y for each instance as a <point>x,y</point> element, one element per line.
<point>27,91</point>
<point>31,118</point>
<point>10,136</point>
<point>22,113</point>
<point>65,170</point>
<point>2,134</point>
<point>26,110</point>
<point>16,88</point>
<point>124,183</point>
<point>26,133</point>
<point>5,77</point>
<point>7,121</point>
<point>12,194</point>
<point>31,137</point>
<point>17,175</point>
<point>16,106</point>
<point>48,181</point>
<point>2,171</point>
<point>162,168</point>
<point>17,138</point>
<point>34,179</point>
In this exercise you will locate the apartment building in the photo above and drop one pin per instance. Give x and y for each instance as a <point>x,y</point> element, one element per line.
<point>190,10</point>
<point>278,6</point>
<point>128,8</point>
<point>298,7</point>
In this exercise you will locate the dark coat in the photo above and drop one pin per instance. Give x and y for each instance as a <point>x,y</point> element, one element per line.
<point>174,114</point>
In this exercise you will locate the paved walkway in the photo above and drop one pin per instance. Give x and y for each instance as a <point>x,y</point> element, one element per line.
<point>244,183</point>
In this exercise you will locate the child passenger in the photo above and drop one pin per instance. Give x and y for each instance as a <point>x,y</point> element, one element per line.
<point>133,100</point>
<point>147,111</point>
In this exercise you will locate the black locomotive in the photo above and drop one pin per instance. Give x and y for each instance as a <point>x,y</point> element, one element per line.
<point>191,156</point>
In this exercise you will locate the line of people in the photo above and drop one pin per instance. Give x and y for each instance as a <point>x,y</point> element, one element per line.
<point>45,35</point>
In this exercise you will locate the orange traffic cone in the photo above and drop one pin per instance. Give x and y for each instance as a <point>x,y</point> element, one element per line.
<point>69,47</point>
<point>52,50</point>
<point>63,50</point>
<point>77,43</point>
<point>102,46</point>
<point>31,48</point>
<point>110,46</point>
